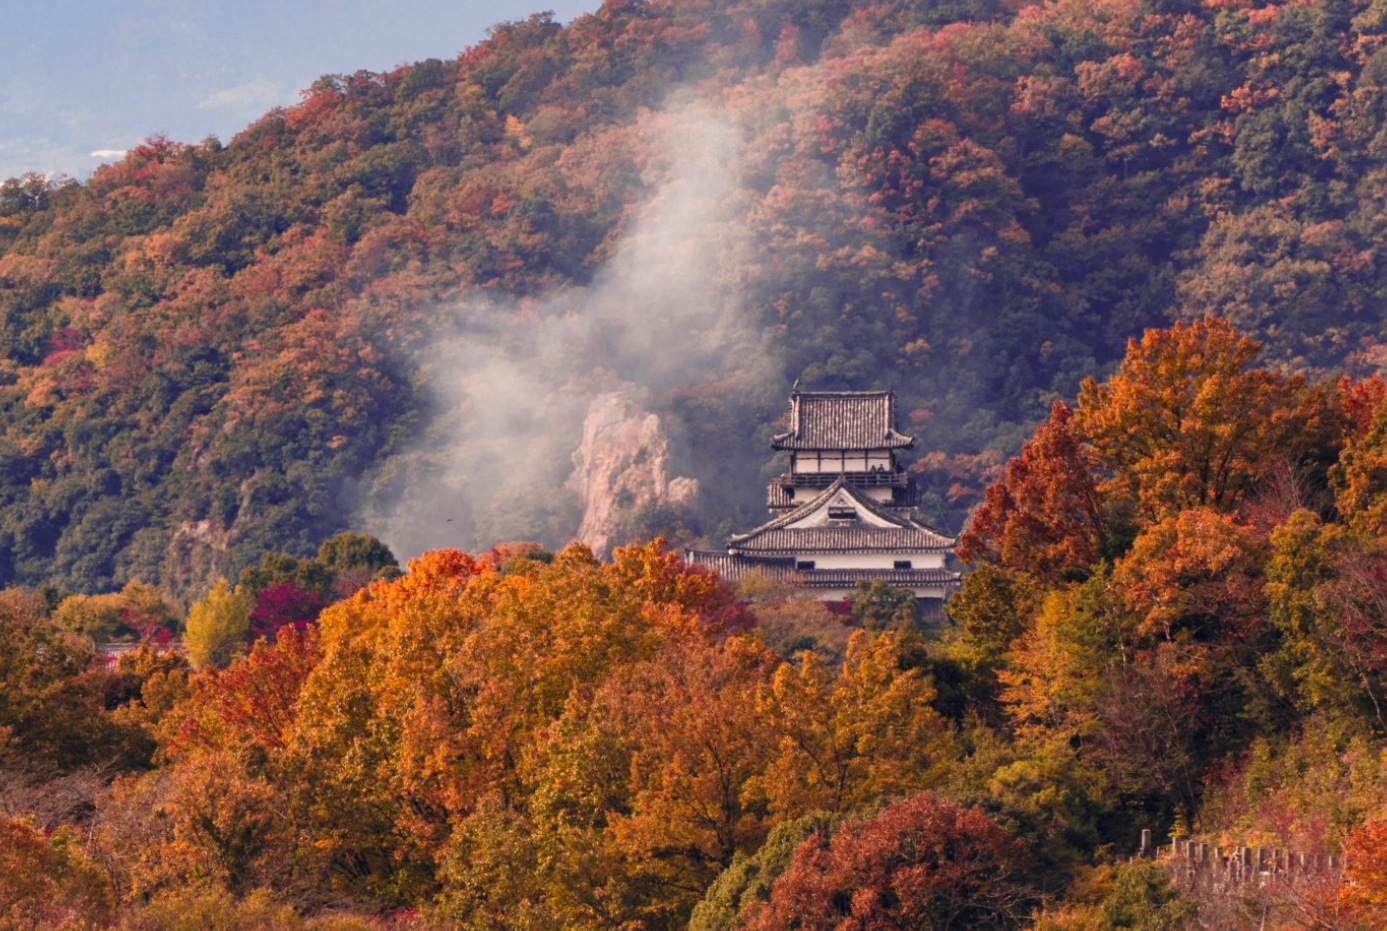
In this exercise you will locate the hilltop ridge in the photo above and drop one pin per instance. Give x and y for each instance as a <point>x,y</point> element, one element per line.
<point>211,350</point>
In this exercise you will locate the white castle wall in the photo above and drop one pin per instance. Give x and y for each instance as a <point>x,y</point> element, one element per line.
<point>874,560</point>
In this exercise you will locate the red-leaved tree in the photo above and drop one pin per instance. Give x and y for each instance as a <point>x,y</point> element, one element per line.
<point>1045,515</point>
<point>923,864</point>
<point>280,605</point>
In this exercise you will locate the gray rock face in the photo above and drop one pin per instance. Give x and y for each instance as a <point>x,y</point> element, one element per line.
<point>623,466</point>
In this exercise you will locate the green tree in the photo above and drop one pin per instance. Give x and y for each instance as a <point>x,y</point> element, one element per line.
<point>346,551</point>
<point>749,877</point>
<point>1134,896</point>
<point>879,606</point>
<point>993,607</point>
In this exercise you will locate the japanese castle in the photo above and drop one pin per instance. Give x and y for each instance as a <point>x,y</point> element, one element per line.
<point>845,512</point>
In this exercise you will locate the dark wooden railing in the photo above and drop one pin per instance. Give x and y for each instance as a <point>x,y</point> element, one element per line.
<point>891,479</point>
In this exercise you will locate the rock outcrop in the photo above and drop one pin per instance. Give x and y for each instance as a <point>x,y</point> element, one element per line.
<point>621,469</point>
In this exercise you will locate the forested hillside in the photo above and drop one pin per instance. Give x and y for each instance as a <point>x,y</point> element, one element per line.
<point>1174,623</point>
<point>1119,259</point>
<point>211,350</point>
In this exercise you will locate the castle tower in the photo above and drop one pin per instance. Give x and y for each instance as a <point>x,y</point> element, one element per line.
<point>845,511</point>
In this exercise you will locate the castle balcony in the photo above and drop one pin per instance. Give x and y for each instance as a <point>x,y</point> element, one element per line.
<point>896,478</point>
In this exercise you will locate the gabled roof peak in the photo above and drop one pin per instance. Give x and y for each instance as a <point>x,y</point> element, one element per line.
<point>899,532</point>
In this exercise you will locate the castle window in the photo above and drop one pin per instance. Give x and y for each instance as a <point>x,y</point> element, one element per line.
<point>804,564</point>
<point>842,513</point>
<point>901,564</point>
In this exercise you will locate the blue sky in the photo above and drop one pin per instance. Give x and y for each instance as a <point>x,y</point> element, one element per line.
<point>81,81</point>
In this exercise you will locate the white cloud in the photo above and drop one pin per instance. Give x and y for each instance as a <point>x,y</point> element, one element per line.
<point>259,94</point>
<point>108,153</point>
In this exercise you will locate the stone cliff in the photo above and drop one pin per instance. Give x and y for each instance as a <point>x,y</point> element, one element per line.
<point>621,468</point>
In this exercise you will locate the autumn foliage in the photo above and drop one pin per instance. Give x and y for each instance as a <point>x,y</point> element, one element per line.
<point>921,863</point>
<point>211,350</point>
<point>525,739</point>
<point>1137,244</point>
<point>47,882</point>
<point>558,742</point>
<point>1044,514</point>
<point>1188,420</point>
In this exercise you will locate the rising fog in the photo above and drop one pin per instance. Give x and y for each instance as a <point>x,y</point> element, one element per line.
<point>511,386</point>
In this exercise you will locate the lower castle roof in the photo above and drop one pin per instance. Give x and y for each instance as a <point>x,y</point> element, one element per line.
<point>889,531</point>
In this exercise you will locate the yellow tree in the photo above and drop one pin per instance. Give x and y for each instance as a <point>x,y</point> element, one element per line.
<point>637,792</point>
<point>1359,479</point>
<point>696,739</point>
<point>217,625</point>
<point>1052,685</point>
<point>439,696</point>
<point>844,741</point>
<point>136,611</point>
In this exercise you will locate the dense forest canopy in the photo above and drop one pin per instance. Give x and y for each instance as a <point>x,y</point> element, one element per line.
<point>1174,630</point>
<point>211,350</point>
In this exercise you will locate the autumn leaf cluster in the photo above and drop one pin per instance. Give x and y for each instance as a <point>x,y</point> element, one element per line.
<point>1178,591</point>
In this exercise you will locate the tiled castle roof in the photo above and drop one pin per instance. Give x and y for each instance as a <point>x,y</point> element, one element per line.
<point>842,420</point>
<point>777,537</point>
<point>778,496</point>
<point>789,540</point>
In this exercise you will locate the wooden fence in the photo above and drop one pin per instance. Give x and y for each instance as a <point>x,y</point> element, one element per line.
<point>1196,864</point>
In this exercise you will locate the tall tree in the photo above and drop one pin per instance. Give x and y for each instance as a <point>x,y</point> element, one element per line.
<point>1044,515</point>
<point>1359,478</point>
<point>845,739</point>
<point>217,627</point>
<point>1188,421</point>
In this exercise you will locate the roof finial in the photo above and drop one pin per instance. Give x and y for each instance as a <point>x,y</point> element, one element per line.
<point>794,389</point>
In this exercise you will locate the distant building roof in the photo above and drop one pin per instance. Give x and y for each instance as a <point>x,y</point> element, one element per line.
<point>891,530</point>
<point>842,420</point>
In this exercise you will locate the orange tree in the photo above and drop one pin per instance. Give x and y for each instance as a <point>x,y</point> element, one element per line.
<point>1188,421</point>
<point>47,882</point>
<point>515,741</point>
